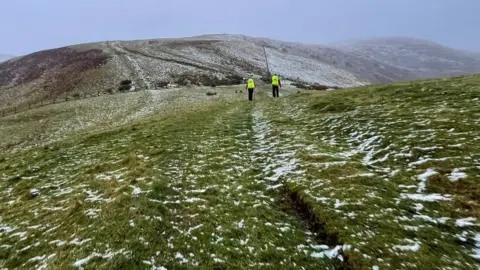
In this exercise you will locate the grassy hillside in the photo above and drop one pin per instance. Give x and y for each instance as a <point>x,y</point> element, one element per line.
<point>94,68</point>
<point>379,177</point>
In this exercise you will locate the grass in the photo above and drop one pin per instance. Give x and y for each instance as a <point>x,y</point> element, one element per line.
<point>363,200</point>
<point>312,180</point>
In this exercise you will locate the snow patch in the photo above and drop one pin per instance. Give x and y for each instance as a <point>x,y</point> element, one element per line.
<point>425,197</point>
<point>423,179</point>
<point>464,222</point>
<point>456,175</point>
<point>414,247</point>
<point>95,255</point>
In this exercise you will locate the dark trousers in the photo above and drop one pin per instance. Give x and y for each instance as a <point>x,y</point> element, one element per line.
<point>275,90</point>
<point>250,94</point>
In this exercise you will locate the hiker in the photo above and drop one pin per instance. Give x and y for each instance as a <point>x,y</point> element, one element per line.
<point>250,87</point>
<point>275,85</point>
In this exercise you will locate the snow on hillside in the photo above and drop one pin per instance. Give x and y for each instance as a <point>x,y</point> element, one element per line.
<point>216,55</point>
<point>309,70</point>
<point>423,57</point>
<point>222,60</point>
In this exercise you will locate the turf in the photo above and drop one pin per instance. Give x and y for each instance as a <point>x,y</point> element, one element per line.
<point>382,176</point>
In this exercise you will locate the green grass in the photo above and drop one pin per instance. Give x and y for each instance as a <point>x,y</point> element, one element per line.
<point>370,213</point>
<point>210,185</point>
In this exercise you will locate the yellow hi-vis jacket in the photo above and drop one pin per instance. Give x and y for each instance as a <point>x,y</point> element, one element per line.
<point>250,84</point>
<point>275,80</point>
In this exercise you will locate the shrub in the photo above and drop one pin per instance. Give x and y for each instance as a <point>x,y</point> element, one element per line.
<point>211,93</point>
<point>124,87</point>
<point>161,84</point>
<point>317,86</point>
<point>301,85</point>
<point>126,82</point>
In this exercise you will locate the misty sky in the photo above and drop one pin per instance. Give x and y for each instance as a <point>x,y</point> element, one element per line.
<point>30,25</point>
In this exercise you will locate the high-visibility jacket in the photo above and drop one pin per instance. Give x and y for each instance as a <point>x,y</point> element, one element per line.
<point>250,84</point>
<point>275,80</point>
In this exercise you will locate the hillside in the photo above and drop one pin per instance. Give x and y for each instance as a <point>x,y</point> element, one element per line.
<point>422,58</point>
<point>219,60</point>
<point>374,177</point>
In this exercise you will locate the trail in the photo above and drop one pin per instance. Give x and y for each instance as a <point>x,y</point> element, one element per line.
<point>131,64</point>
<point>238,205</point>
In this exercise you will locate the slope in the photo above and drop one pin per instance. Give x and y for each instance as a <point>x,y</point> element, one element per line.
<point>422,58</point>
<point>381,176</point>
<point>218,60</point>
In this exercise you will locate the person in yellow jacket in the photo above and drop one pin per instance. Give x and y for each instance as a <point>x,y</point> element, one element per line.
<point>275,85</point>
<point>250,86</point>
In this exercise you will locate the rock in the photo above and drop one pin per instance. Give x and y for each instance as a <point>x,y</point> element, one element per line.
<point>34,193</point>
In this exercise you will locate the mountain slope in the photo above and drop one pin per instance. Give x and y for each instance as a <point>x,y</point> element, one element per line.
<point>421,58</point>
<point>220,59</point>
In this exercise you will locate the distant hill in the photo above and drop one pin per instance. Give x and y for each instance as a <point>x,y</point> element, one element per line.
<point>422,58</point>
<point>4,57</point>
<point>222,59</point>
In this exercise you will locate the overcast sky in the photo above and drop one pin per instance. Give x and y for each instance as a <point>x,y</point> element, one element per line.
<point>30,25</point>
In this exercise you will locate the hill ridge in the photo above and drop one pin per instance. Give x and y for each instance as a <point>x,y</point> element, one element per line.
<point>218,59</point>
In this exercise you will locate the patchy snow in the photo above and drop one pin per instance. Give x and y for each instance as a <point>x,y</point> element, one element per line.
<point>4,229</point>
<point>407,187</point>
<point>425,197</point>
<point>476,250</point>
<point>241,224</point>
<point>43,261</point>
<point>58,243</point>
<point>414,247</point>
<point>338,203</point>
<point>92,213</point>
<point>274,187</point>
<point>181,258</point>
<point>77,242</point>
<point>95,255</point>
<point>456,175</point>
<point>330,253</point>
<point>432,148</point>
<point>425,160</point>
<point>93,196</point>
<point>418,207</point>
<point>310,70</point>
<point>34,192</point>
<point>423,179</point>
<point>190,230</point>
<point>192,200</point>
<point>464,222</point>
<point>21,235</point>
<point>136,191</point>
<point>319,247</point>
